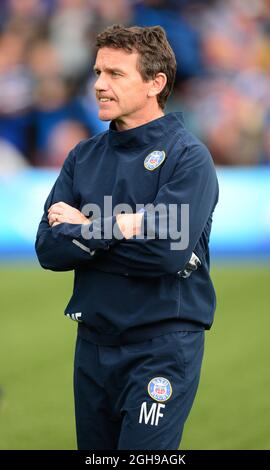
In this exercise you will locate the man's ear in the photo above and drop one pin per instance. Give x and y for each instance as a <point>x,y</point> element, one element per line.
<point>158,83</point>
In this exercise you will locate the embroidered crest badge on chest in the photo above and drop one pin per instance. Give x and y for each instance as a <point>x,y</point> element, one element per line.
<point>154,159</point>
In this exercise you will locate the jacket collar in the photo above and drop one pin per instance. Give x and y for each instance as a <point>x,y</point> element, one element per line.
<point>147,133</point>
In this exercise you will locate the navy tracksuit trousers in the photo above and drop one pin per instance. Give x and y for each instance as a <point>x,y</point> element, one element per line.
<point>136,396</point>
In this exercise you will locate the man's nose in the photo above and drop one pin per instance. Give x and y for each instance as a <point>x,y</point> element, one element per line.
<point>101,83</point>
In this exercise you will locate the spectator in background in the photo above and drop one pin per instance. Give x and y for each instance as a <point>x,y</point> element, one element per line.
<point>63,137</point>
<point>56,100</point>
<point>106,13</point>
<point>182,35</point>
<point>68,31</point>
<point>30,17</point>
<point>15,89</point>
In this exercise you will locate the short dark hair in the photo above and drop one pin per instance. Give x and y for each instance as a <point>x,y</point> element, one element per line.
<point>155,52</point>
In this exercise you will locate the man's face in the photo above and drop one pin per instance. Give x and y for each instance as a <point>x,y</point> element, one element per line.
<point>120,90</point>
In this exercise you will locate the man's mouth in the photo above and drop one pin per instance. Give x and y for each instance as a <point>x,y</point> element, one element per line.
<point>104,100</point>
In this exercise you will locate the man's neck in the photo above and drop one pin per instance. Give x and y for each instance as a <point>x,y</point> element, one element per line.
<point>130,122</point>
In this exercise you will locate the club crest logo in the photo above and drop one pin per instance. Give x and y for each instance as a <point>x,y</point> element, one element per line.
<point>154,159</point>
<point>160,389</point>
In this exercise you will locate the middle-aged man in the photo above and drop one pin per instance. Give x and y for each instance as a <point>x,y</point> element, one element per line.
<point>142,291</point>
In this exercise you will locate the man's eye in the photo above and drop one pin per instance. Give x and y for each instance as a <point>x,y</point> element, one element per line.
<point>97,73</point>
<point>115,74</point>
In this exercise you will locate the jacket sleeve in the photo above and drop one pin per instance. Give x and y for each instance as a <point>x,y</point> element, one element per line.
<point>194,183</point>
<point>62,248</point>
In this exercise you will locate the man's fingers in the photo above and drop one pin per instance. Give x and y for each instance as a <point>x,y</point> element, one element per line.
<point>54,217</point>
<point>56,211</point>
<point>58,206</point>
<point>62,212</point>
<point>55,208</point>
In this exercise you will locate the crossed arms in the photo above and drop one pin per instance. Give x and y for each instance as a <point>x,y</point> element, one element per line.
<point>60,245</point>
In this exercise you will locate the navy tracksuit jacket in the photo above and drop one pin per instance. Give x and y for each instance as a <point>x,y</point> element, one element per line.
<point>154,299</point>
<point>128,293</point>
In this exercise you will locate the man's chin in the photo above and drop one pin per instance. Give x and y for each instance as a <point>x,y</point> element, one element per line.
<point>106,116</point>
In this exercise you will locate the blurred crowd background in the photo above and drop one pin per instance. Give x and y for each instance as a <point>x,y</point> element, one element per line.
<point>47,51</point>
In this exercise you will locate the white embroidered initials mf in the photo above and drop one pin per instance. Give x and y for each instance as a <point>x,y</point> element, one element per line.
<point>154,413</point>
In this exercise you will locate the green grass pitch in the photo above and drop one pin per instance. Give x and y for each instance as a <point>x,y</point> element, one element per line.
<point>231,410</point>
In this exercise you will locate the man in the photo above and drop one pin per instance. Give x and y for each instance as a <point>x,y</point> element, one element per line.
<point>142,294</point>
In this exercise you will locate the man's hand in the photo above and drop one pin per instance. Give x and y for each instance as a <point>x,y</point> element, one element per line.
<point>129,224</point>
<point>61,212</point>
